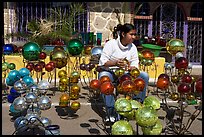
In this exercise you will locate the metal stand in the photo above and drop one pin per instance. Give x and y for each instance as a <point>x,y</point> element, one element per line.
<point>30,123</point>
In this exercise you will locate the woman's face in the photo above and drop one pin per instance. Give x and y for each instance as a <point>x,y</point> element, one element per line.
<point>129,37</point>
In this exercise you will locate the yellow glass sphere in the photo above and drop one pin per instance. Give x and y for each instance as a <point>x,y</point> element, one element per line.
<point>62,73</point>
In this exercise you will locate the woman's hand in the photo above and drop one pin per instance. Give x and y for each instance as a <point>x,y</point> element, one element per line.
<point>122,64</point>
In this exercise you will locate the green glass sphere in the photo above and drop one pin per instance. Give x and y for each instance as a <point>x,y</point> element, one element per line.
<point>153,130</point>
<point>152,101</point>
<point>31,51</point>
<point>11,66</point>
<point>75,47</point>
<point>146,116</point>
<point>122,127</point>
<point>4,66</point>
<point>135,104</point>
<point>122,105</point>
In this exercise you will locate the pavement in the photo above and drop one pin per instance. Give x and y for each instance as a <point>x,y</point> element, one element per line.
<point>89,119</point>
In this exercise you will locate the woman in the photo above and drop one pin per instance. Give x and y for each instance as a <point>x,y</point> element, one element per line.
<point>113,55</point>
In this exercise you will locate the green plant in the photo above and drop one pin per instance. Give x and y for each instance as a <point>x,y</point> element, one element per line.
<point>65,23</point>
<point>58,26</point>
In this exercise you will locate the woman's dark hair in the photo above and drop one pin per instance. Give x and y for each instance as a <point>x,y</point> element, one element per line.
<point>122,28</point>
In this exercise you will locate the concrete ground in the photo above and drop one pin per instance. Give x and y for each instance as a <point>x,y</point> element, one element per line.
<point>88,120</point>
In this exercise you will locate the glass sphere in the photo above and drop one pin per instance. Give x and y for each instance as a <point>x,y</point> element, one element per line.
<point>122,127</point>
<point>153,130</point>
<point>31,51</point>
<point>107,88</point>
<point>174,46</point>
<point>152,101</point>
<point>146,116</point>
<point>75,47</point>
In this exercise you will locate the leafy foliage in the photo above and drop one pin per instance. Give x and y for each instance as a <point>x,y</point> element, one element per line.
<point>59,26</point>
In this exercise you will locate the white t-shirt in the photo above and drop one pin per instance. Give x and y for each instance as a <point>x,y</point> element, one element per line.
<point>114,50</point>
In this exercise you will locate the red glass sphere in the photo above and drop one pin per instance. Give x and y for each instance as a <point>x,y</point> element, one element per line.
<point>42,63</point>
<point>30,66</point>
<point>181,62</point>
<point>82,66</point>
<point>186,78</point>
<point>53,64</point>
<point>42,55</point>
<point>124,77</point>
<point>107,88</point>
<point>88,67</point>
<point>198,86</point>
<point>58,42</point>
<point>184,88</point>
<point>38,68</point>
<point>20,49</point>
<point>49,67</point>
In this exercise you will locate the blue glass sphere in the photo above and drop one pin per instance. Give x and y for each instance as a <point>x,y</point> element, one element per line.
<point>8,49</point>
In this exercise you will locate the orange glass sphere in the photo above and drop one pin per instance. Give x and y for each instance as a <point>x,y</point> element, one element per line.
<point>128,86</point>
<point>107,88</point>
<point>95,84</point>
<point>162,83</point>
<point>148,54</point>
<point>64,100</point>
<point>139,84</point>
<point>64,97</point>
<point>104,79</point>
